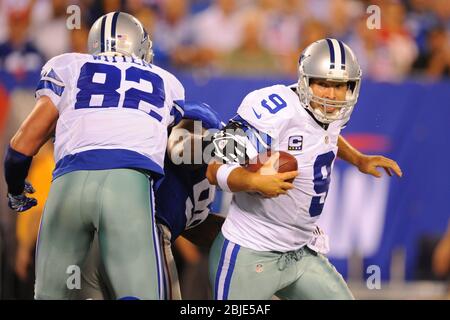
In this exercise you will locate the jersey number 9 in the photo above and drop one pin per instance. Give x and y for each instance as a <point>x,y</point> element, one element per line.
<point>321,183</point>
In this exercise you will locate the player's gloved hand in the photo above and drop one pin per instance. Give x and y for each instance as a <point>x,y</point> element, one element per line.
<point>21,202</point>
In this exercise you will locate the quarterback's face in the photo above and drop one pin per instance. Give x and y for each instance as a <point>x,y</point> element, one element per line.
<point>331,90</point>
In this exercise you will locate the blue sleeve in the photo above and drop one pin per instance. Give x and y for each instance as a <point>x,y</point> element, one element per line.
<point>202,112</point>
<point>177,111</point>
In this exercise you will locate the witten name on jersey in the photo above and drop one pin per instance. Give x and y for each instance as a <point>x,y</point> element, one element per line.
<point>286,222</point>
<point>113,111</point>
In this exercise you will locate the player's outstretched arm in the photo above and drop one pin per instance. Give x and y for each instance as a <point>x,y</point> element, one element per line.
<point>365,163</point>
<point>33,133</point>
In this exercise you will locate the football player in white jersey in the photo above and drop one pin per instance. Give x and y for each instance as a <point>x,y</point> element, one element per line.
<point>109,111</point>
<point>270,244</point>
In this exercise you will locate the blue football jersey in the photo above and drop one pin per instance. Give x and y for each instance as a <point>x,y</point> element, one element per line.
<point>183,199</point>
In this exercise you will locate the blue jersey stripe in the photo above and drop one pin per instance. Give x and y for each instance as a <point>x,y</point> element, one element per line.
<point>104,159</point>
<point>46,84</point>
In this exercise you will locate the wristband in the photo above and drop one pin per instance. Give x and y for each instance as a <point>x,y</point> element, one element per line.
<point>222,175</point>
<point>16,168</point>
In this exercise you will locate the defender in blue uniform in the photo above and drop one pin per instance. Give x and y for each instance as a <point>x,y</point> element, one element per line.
<point>182,200</point>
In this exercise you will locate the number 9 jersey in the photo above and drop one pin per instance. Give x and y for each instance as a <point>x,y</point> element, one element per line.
<point>286,222</point>
<point>113,111</point>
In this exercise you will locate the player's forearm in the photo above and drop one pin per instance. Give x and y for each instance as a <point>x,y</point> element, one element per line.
<point>348,153</point>
<point>37,128</point>
<point>238,180</point>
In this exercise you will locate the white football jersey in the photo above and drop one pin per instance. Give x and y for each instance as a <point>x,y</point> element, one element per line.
<point>287,222</point>
<point>113,111</point>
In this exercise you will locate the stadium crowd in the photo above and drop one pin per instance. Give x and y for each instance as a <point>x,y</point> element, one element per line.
<point>245,37</point>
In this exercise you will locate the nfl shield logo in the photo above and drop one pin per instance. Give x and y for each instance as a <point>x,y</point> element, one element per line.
<point>259,268</point>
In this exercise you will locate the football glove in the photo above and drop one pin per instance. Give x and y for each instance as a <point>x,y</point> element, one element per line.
<point>21,202</point>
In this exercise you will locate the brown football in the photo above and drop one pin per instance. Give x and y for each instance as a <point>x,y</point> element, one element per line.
<point>286,162</point>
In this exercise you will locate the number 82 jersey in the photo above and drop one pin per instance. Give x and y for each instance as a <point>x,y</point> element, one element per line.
<point>113,111</point>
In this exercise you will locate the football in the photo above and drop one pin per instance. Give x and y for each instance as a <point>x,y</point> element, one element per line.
<point>285,163</point>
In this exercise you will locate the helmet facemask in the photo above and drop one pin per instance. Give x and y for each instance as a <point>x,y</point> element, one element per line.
<point>147,54</point>
<point>343,108</point>
<point>329,60</point>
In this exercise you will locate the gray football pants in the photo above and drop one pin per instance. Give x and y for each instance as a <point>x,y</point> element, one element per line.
<point>95,284</point>
<point>241,273</point>
<point>118,204</point>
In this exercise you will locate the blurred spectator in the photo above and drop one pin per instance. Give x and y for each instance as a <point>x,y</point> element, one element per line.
<point>218,28</point>
<point>441,10</point>
<point>78,39</point>
<point>133,7</point>
<point>148,17</point>
<point>435,61</point>
<point>18,54</point>
<point>311,30</point>
<point>419,20</point>
<point>343,15</point>
<point>337,14</point>
<point>55,28</point>
<point>93,9</point>
<point>250,57</point>
<point>397,40</point>
<point>281,27</point>
<point>372,57</point>
<point>172,36</point>
<point>385,54</point>
<point>8,7</point>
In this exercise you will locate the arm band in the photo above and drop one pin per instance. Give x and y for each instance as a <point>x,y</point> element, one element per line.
<point>222,175</point>
<point>16,170</point>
